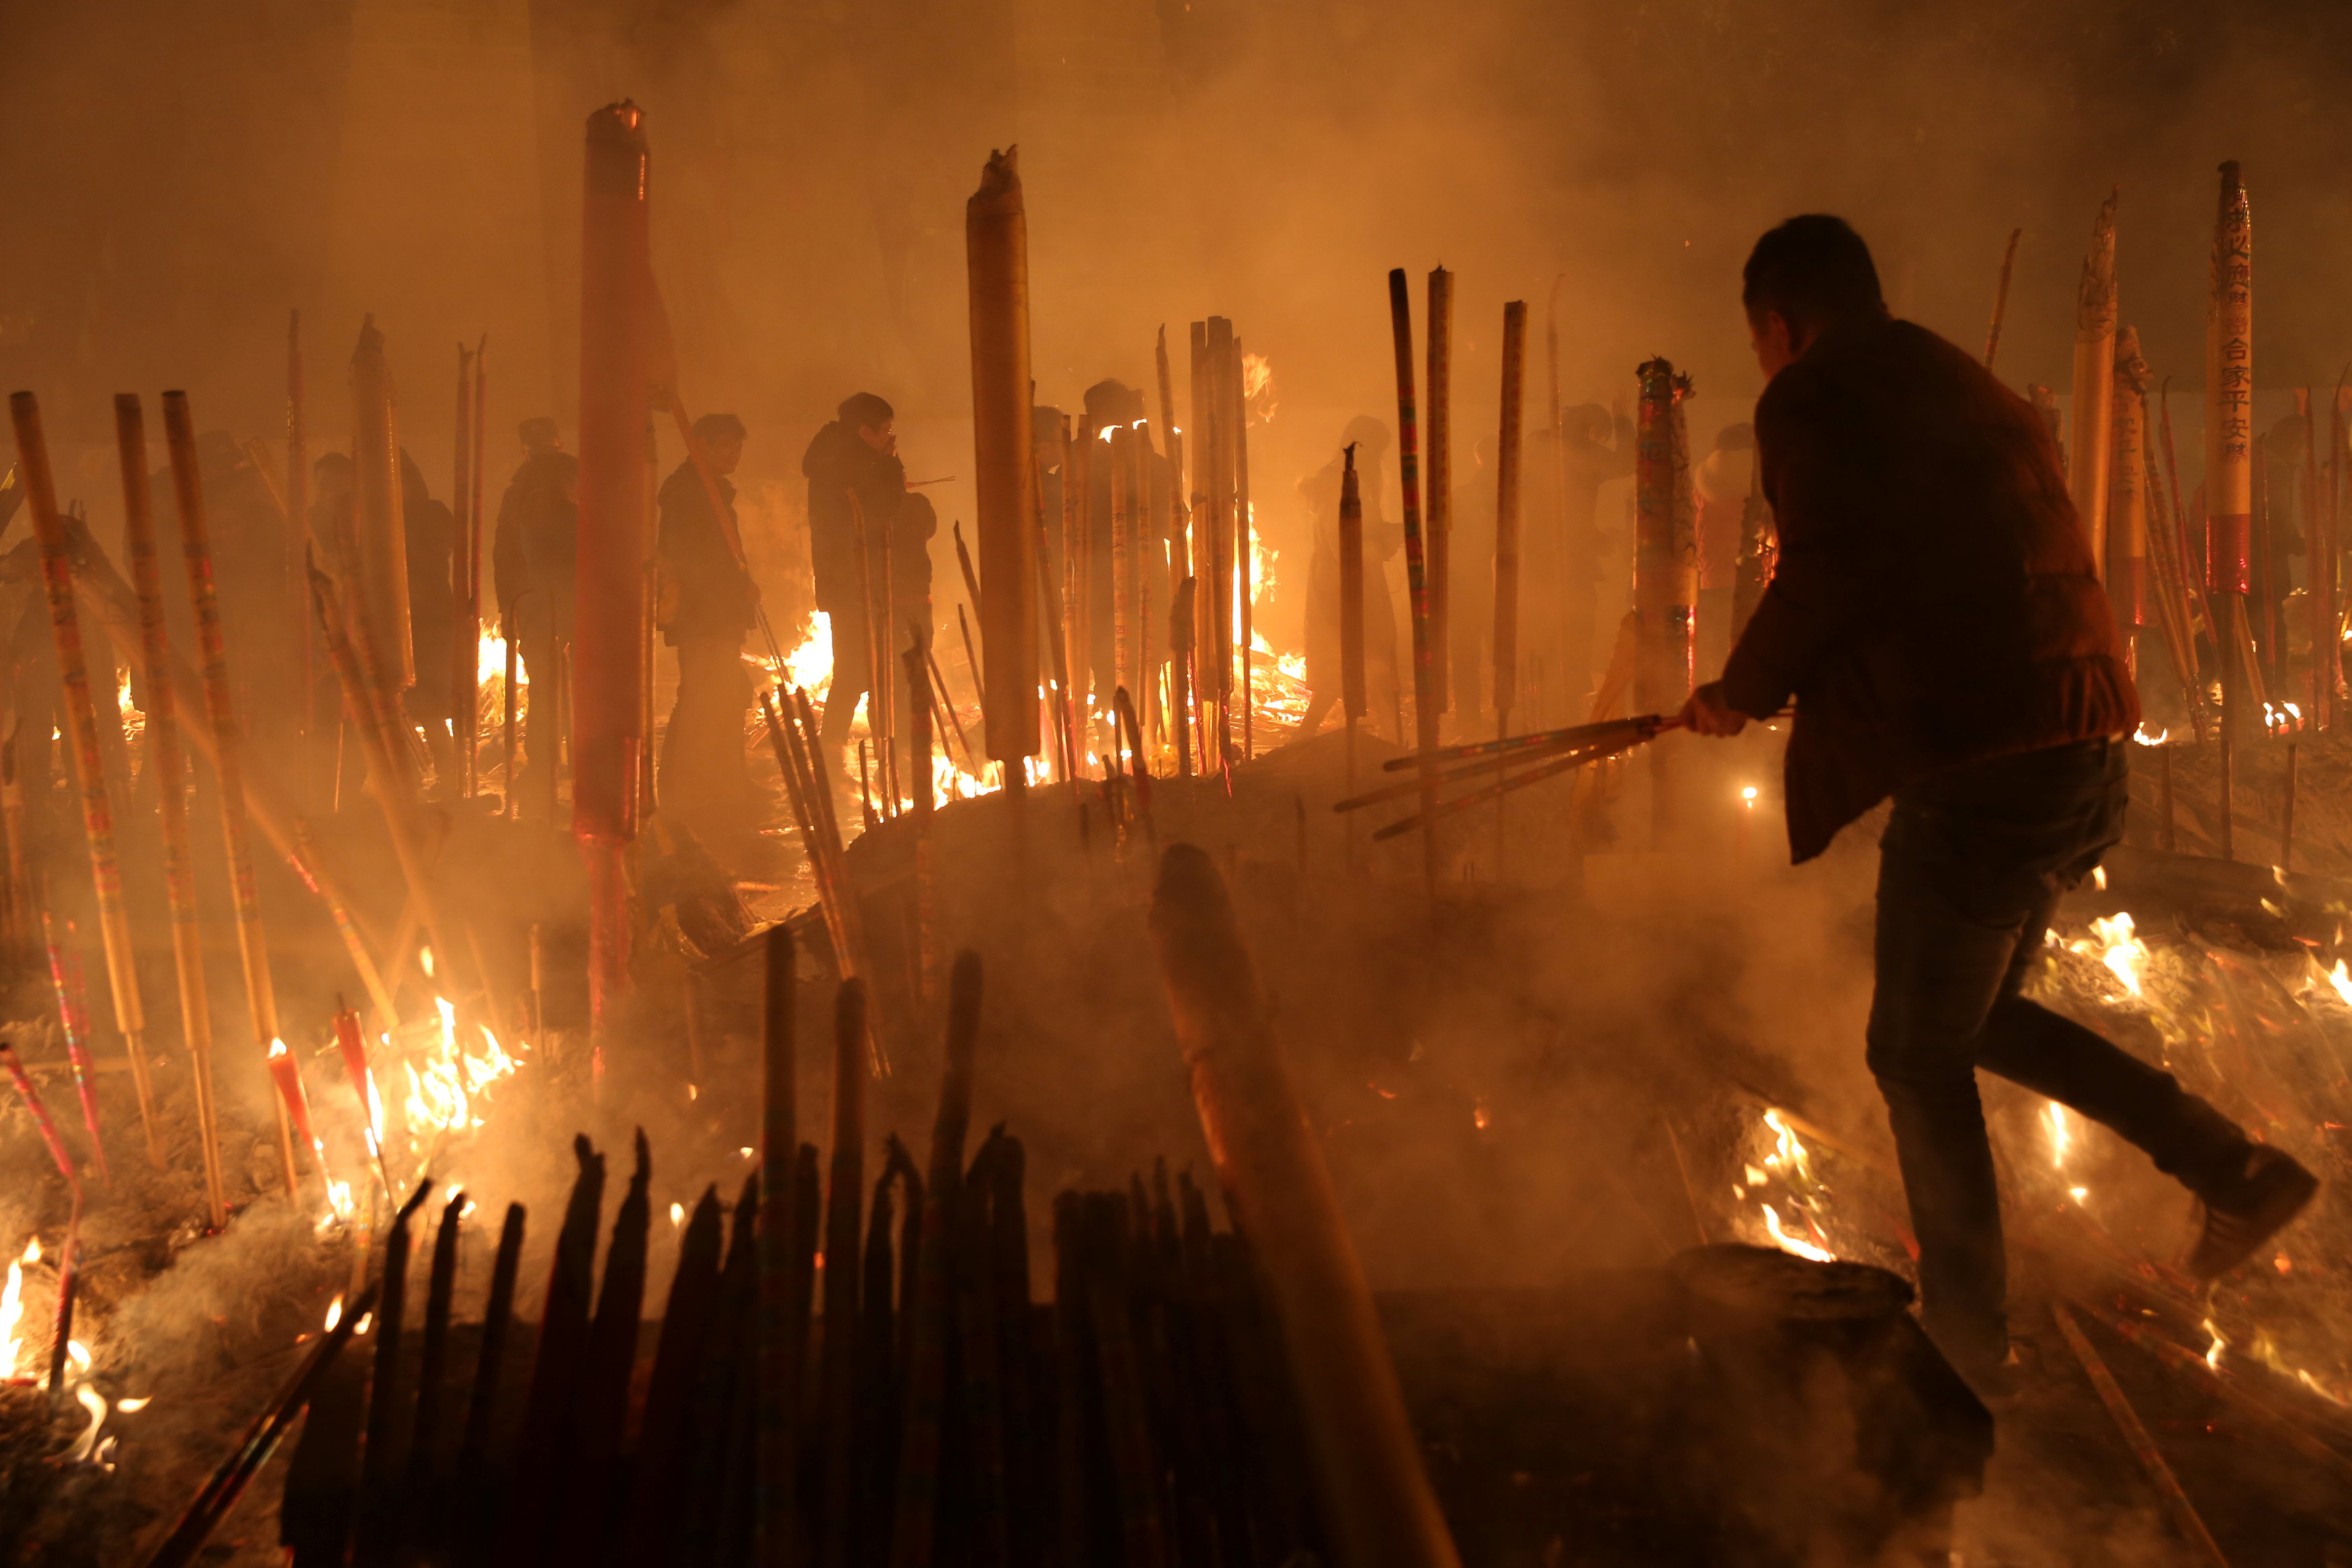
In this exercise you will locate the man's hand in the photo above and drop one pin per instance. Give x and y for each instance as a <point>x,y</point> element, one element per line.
<point>1707,714</point>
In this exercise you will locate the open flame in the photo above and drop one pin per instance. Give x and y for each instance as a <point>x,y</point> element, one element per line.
<point>12,1309</point>
<point>2116,944</point>
<point>442,1092</point>
<point>1258,387</point>
<point>1797,1244</point>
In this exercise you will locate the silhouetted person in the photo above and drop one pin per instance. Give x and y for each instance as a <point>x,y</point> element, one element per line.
<point>856,488</point>
<point>1935,614</point>
<point>534,572</point>
<point>432,544</point>
<point>709,603</point>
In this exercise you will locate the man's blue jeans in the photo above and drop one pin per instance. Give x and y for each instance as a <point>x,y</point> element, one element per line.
<point>1971,867</point>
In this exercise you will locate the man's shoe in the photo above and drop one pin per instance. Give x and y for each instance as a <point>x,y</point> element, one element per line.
<point>2249,1209</point>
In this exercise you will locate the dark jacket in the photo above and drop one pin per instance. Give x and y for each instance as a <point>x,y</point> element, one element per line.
<point>536,548</point>
<point>1934,600</point>
<point>838,464</point>
<point>715,597</point>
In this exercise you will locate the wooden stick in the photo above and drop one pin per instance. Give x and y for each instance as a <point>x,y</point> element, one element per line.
<point>1377,1500</point>
<point>2000,297</point>
<point>1416,568</point>
<point>228,746</point>
<point>226,1484</point>
<point>946,707</point>
<point>1576,758</point>
<point>166,765</point>
<point>926,1392</point>
<point>2143,1446</point>
<point>918,712</point>
<point>972,658</point>
<point>2231,1392</point>
<point>839,1389</point>
<point>89,767</point>
<point>73,1018</point>
<point>779,1377</point>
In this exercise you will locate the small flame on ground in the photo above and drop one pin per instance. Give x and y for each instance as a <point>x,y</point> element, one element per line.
<point>2115,942</point>
<point>334,1313</point>
<point>12,1310</point>
<point>677,1215</point>
<point>133,1407</point>
<point>2214,1352</point>
<point>91,1400</point>
<point>1797,1244</point>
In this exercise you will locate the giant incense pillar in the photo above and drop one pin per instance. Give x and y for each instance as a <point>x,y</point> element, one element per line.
<point>1204,445</point>
<point>1507,515</point>
<point>1437,503</point>
<point>1122,560</point>
<point>2127,498</point>
<point>996,254</point>
<point>1666,567</point>
<point>1223,413</point>
<point>376,550</point>
<point>2095,384</point>
<point>615,486</point>
<point>1416,572</point>
<point>2229,455</point>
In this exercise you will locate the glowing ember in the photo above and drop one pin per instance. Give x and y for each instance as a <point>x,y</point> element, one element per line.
<point>133,1407</point>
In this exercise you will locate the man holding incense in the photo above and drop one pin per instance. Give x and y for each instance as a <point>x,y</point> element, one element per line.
<point>856,488</point>
<point>1937,618</point>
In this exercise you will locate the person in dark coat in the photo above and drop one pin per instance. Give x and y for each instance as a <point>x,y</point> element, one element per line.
<point>708,604</point>
<point>857,487</point>
<point>431,545</point>
<point>534,569</point>
<point>1937,617</point>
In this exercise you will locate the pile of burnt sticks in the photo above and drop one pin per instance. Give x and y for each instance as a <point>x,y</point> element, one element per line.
<point>934,1411</point>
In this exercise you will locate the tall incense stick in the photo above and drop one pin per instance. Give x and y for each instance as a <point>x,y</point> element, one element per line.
<point>89,767</point>
<point>165,765</point>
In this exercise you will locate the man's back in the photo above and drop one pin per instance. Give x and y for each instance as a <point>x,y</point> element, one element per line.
<point>1935,600</point>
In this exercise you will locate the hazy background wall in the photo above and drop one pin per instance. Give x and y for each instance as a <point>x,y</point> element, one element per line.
<point>179,176</point>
